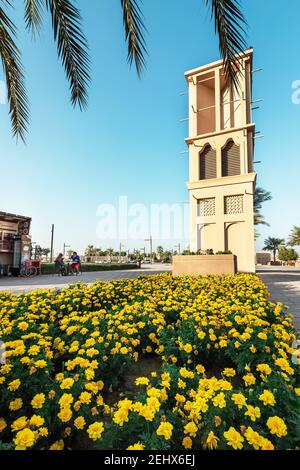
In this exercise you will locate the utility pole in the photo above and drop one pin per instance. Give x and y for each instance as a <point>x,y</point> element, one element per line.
<point>52,239</point>
<point>151,246</point>
<point>120,252</point>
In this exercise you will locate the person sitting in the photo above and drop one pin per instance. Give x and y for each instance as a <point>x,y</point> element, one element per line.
<point>76,263</point>
<point>59,265</point>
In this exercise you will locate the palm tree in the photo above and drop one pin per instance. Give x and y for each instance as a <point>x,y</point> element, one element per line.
<point>72,46</point>
<point>260,196</point>
<point>273,244</point>
<point>294,238</point>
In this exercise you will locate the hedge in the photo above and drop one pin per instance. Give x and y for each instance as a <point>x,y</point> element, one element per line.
<point>48,268</point>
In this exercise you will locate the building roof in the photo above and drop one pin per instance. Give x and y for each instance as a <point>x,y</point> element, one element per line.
<point>219,63</point>
<point>7,217</point>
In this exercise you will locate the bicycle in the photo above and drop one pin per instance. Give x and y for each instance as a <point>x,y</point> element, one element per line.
<point>28,270</point>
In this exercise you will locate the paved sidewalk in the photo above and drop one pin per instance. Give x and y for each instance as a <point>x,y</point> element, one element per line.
<point>284,286</point>
<point>23,285</point>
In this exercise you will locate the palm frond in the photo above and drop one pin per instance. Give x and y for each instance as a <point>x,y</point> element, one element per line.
<point>13,70</point>
<point>72,48</point>
<point>230,26</point>
<point>135,34</point>
<point>33,18</point>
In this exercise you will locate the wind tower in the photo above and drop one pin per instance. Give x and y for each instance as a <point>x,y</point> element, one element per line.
<point>221,150</point>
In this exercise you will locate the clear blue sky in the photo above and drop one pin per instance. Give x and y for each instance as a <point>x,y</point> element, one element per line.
<point>129,139</point>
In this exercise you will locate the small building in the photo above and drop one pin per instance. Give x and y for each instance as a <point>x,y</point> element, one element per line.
<point>263,258</point>
<point>15,242</point>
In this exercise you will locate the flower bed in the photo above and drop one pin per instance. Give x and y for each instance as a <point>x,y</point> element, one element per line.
<point>224,378</point>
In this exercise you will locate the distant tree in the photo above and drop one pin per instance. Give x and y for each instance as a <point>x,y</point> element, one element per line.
<point>45,252</point>
<point>273,244</point>
<point>294,238</point>
<point>110,252</point>
<point>90,251</point>
<point>167,256</point>
<point>287,254</point>
<point>260,196</point>
<point>160,252</point>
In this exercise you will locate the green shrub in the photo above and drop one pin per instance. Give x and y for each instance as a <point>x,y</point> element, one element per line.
<point>48,268</point>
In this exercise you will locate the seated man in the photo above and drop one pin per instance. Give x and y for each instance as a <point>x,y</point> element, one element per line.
<point>75,258</point>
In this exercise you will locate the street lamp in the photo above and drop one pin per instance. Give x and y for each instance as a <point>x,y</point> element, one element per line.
<point>150,240</point>
<point>65,246</point>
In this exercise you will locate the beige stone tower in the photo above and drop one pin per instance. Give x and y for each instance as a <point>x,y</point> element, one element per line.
<point>221,148</point>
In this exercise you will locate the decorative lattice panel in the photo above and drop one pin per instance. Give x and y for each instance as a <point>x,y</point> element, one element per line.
<point>207,207</point>
<point>234,204</point>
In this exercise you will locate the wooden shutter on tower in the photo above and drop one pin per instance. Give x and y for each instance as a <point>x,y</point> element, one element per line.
<point>208,163</point>
<point>231,160</point>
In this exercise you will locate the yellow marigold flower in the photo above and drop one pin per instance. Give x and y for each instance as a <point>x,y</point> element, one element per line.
<point>66,400</point>
<point>187,442</point>
<point>284,365</point>
<point>264,369</point>
<point>38,401</point>
<point>181,384</point>
<point>191,429</point>
<point>234,438</point>
<point>58,445</point>
<point>277,426</point>
<point>19,424</point>
<point>223,343</point>
<point>43,432</point>
<point>67,384</point>
<point>24,439</point>
<point>89,374</point>
<point>79,422</point>
<point>253,412</point>
<point>85,398</point>
<point>95,431</point>
<point>165,430</point>
<point>188,348</point>
<point>16,404</point>
<point>123,350</point>
<point>65,415</point>
<point>229,372</point>
<point>267,398</point>
<point>186,373</point>
<point>253,438</point>
<point>219,400</point>
<point>249,379</point>
<point>253,349</point>
<point>180,398</point>
<point>41,364</point>
<point>297,391</point>
<point>212,441</point>
<point>266,444</point>
<point>14,385</point>
<point>3,424</point>
<point>200,369</point>
<point>262,336</point>
<point>239,400</point>
<point>37,421</point>
<point>142,381</point>
<point>137,446</point>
